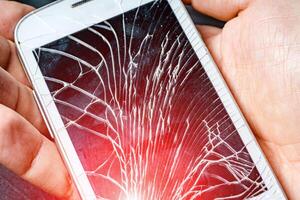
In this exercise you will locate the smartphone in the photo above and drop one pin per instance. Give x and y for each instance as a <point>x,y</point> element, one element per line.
<point>136,104</point>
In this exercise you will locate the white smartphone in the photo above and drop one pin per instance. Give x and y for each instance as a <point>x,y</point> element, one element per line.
<point>137,106</point>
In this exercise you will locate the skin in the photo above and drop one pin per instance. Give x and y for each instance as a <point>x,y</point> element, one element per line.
<point>258,53</point>
<point>24,145</point>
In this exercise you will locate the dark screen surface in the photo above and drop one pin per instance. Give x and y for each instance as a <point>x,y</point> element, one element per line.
<point>142,113</point>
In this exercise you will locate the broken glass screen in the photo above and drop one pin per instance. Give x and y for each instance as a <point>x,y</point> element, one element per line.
<point>143,116</point>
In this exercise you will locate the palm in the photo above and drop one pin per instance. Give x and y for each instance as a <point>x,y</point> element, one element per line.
<point>258,54</point>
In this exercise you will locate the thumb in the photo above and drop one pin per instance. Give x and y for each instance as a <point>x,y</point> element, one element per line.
<point>212,38</point>
<point>31,155</point>
<point>219,9</point>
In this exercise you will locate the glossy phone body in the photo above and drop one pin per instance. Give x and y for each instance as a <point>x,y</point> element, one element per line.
<point>150,119</point>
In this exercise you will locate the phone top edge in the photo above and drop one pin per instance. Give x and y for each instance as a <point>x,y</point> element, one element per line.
<point>57,19</point>
<point>16,31</point>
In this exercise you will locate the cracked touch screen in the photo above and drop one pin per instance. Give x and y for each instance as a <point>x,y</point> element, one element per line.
<point>142,113</point>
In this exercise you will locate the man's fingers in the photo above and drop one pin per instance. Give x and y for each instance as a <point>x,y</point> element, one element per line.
<point>219,9</point>
<point>14,66</point>
<point>212,38</point>
<point>4,52</point>
<point>20,98</point>
<point>11,13</point>
<point>31,155</point>
<point>10,61</point>
<point>207,32</point>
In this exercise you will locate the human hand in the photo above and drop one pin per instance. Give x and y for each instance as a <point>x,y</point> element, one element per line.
<point>24,146</point>
<point>258,53</point>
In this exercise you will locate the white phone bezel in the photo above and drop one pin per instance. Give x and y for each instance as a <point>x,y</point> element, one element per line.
<point>58,20</point>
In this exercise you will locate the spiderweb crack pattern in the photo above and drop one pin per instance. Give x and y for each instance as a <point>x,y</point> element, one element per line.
<point>142,113</point>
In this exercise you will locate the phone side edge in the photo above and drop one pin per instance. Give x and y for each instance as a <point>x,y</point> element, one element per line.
<point>213,72</point>
<point>65,157</point>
